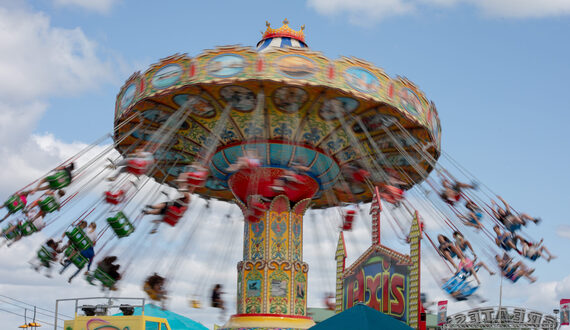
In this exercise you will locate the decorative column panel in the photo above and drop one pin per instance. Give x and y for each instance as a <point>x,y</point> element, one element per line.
<point>340,257</point>
<point>272,278</point>
<point>414,292</point>
<point>375,209</point>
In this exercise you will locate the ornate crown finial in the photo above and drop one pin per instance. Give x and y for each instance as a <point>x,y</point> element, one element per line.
<point>284,31</point>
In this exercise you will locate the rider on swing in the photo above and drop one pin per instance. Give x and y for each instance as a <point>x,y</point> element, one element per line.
<point>137,163</point>
<point>66,171</point>
<point>508,219</point>
<point>17,202</point>
<point>180,204</point>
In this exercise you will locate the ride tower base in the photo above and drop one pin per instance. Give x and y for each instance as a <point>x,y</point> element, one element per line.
<point>272,277</point>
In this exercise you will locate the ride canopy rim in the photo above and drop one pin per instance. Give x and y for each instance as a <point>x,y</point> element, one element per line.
<point>315,83</point>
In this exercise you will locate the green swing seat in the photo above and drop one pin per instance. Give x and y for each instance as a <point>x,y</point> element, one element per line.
<point>11,235</point>
<point>121,225</point>
<point>102,277</point>
<point>44,255</point>
<point>75,256</point>
<point>79,239</point>
<point>14,204</point>
<point>27,228</point>
<point>58,180</point>
<point>49,204</point>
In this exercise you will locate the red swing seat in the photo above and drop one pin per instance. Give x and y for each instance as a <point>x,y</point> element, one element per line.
<point>173,214</point>
<point>360,175</point>
<point>391,194</point>
<point>115,198</point>
<point>197,179</point>
<point>258,206</point>
<point>348,219</point>
<point>138,166</point>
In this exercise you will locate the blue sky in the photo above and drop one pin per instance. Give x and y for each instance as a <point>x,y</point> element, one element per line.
<point>497,71</point>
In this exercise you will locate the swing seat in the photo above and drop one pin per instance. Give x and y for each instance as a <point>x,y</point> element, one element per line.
<point>79,239</point>
<point>459,287</point>
<point>296,191</point>
<point>360,175</point>
<point>15,203</point>
<point>152,293</point>
<point>104,278</point>
<point>330,304</point>
<point>195,303</point>
<point>121,225</point>
<point>138,166</point>
<point>392,194</point>
<point>348,219</point>
<point>258,207</point>
<point>173,215</point>
<point>13,234</point>
<point>58,180</point>
<point>253,163</point>
<point>197,179</point>
<point>44,255</point>
<point>27,228</point>
<point>49,204</point>
<point>115,198</point>
<point>76,258</point>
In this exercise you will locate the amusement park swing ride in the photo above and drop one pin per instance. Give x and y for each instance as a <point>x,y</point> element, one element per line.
<point>276,130</point>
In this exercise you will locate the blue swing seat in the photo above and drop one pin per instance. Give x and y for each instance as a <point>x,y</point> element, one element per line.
<point>459,286</point>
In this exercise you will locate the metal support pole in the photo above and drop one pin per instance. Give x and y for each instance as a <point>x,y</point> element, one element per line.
<point>500,299</point>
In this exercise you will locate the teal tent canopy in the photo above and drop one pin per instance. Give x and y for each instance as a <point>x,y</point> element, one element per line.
<point>361,317</point>
<point>176,321</point>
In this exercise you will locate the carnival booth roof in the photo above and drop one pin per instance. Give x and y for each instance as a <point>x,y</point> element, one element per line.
<point>176,321</point>
<point>361,317</point>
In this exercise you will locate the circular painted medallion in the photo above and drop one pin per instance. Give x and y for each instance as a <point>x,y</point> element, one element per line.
<point>169,156</point>
<point>159,117</point>
<point>361,79</point>
<point>166,76</point>
<point>374,122</point>
<point>296,66</point>
<point>387,141</point>
<point>242,99</point>
<point>410,101</point>
<point>332,107</point>
<point>200,106</point>
<point>290,99</point>
<point>128,96</point>
<point>148,135</point>
<point>226,65</point>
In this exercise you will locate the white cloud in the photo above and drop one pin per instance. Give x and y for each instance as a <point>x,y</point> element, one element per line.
<point>361,12</point>
<point>523,8</point>
<point>101,6</point>
<point>39,60</point>
<point>364,12</point>
<point>563,231</point>
<point>31,158</point>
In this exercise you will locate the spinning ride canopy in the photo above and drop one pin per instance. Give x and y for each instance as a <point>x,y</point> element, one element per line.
<point>302,92</point>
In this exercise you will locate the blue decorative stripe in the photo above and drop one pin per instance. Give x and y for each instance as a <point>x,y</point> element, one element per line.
<point>265,43</point>
<point>280,42</point>
<point>285,42</point>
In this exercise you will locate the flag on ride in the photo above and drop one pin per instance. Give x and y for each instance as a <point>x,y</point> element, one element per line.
<point>564,311</point>
<point>441,312</point>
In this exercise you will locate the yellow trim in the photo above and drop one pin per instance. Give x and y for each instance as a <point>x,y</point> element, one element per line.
<point>135,322</point>
<point>269,322</point>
